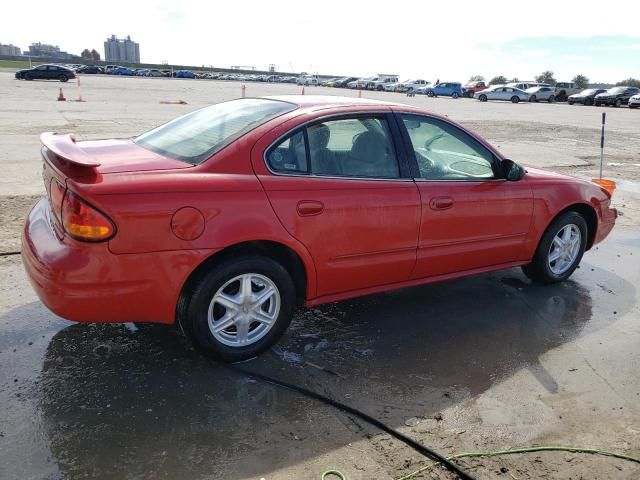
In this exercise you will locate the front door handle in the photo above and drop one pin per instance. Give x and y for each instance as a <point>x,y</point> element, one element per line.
<point>307,208</point>
<point>441,203</point>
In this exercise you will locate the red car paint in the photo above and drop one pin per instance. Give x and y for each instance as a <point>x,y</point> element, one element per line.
<point>352,236</point>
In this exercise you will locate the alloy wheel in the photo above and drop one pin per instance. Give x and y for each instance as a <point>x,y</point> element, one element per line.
<point>244,310</point>
<point>564,249</point>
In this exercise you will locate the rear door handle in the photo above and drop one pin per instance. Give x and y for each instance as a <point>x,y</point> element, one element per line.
<point>441,203</point>
<point>307,208</point>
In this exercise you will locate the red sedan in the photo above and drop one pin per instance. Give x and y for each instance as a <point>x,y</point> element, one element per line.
<point>228,218</point>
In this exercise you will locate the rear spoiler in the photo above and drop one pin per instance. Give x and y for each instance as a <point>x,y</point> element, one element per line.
<point>64,146</point>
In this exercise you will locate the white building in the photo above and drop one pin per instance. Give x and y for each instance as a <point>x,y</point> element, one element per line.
<point>118,50</point>
<point>9,50</point>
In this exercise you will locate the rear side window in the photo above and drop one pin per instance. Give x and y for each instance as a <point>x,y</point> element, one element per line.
<point>196,136</point>
<point>352,147</point>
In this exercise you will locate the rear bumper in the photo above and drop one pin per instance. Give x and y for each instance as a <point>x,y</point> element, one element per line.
<point>85,282</point>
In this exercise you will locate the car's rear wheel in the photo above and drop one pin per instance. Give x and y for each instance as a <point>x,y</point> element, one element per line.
<point>552,99</point>
<point>515,99</point>
<point>560,249</point>
<point>571,102</point>
<point>240,308</point>
<point>63,78</point>
<point>482,98</point>
<point>28,76</point>
<point>618,103</point>
<point>533,98</point>
<point>430,94</point>
<point>562,96</point>
<point>454,95</point>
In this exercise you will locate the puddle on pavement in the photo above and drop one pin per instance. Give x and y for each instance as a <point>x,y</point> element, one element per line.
<point>116,402</point>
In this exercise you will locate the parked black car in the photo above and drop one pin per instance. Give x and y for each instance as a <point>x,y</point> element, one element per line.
<point>586,96</point>
<point>616,96</point>
<point>342,82</point>
<point>89,69</point>
<point>46,72</point>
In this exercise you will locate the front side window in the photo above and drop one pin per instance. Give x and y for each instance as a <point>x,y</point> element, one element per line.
<point>444,152</point>
<point>196,136</point>
<point>351,147</point>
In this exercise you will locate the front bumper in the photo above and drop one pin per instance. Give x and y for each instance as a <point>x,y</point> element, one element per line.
<point>85,282</point>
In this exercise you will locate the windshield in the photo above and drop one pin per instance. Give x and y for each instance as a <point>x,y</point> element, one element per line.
<point>588,91</point>
<point>616,90</point>
<point>196,136</point>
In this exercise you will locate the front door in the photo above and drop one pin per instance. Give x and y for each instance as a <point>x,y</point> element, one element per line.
<point>337,187</point>
<point>471,218</point>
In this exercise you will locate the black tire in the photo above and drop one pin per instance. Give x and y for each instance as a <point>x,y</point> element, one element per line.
<point>515,99</point>
<point>430,94</point>
<point>28,76</point>
<point>63,78</point>
<point>482,98</point>
<point>454,95</point>
<point>597,104</point>
<point>633,106</point>
<point>552,99</point>
<point>618,103</point>
<point>562,96</point>
<point>538,270</point>
<point>193,309</point>
<point>533,98</point>
<point>588,101</point>
<point>571,102</point>
<point>380,88</point>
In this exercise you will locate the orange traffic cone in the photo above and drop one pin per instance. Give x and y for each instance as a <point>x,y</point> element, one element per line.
<point>302,90</point>
<point>61,96</point>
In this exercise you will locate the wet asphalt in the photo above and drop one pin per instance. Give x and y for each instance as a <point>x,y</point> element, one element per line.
<point>114,401</point>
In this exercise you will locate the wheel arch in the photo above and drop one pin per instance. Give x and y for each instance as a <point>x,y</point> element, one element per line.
<point>590,217</point>
<point>277,251</point>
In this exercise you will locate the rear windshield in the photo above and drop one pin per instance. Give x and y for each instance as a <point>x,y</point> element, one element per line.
<point>196,136</point>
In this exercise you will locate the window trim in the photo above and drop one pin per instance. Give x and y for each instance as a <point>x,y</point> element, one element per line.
<point>415,170</point>
<point>404,163</point>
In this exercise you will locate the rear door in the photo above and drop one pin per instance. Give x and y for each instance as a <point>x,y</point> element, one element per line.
<point>471,218</point>
<point>339,185</point>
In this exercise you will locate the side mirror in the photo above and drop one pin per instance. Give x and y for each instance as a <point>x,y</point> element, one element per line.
<point>511,171</point>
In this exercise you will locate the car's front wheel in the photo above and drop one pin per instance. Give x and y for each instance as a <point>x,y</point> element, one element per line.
<point>560,249</point>
<point>28,76</point>
<point>515,99</point>
<point>454,95</point>
<point>239,308</point>
<point>618,103</point>
<point>533,98</point>
<point>552,99</point>
<point>63,78</point>
<point>482,98</point>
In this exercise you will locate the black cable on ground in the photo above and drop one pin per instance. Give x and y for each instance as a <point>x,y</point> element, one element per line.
<point>418,447</point>
<point>6,254</point>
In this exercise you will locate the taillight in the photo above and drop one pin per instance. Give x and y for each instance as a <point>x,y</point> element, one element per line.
<point>56,196</point>
<point>83,222</point>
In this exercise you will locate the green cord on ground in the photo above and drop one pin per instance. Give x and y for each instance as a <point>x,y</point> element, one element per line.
<point>550,448</point>
<point>335,473</point>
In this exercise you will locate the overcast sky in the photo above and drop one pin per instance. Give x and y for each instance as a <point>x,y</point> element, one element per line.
<point>449,40</point>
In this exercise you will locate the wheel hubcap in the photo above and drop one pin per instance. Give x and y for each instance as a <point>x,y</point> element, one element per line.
<point>244,309</point>
<point>564,249</point>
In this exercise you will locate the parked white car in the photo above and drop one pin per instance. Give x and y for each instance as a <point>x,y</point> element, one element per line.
<point>502,92</point>
<point>381,83</point>
<point>537,94</point>
<point>634,102</point>
<point>412,85</point>
<point>307,80</point>
<point>526,85</point>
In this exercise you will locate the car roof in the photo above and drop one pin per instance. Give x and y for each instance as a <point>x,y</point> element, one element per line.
<point>328,101</point>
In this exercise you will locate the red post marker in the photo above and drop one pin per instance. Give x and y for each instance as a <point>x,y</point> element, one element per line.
<point>244,89</point>
<point>302,90</point>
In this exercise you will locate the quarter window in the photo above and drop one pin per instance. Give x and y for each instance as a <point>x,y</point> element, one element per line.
<point>290,155</point>
<point>444,152</point>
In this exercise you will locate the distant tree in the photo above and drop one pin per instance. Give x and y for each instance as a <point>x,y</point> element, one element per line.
<point>95,55</point>
<point>476,78</point>
<point>514,79</point>
<point>629,82</point>
<point>499,80</point>
<point>581,81</point>
<point>86,54</point>
<point>546,77</point>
